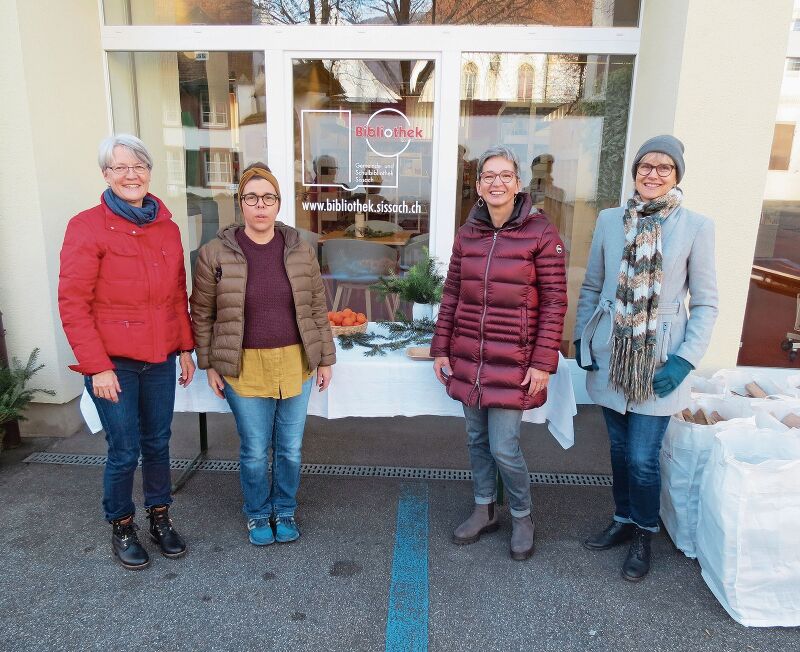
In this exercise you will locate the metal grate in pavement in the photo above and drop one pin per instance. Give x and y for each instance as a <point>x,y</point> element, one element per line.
<point>576,479</point>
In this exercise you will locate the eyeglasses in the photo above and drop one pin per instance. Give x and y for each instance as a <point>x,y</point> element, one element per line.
<point>251,199</point>
<point>506,176</point>
<point>120,170</point>
<point>662,169</point>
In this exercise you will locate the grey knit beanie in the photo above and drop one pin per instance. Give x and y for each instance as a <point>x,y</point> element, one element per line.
<point>664,144</point>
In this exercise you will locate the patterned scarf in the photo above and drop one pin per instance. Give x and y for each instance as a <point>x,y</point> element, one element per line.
<point>633,344</point>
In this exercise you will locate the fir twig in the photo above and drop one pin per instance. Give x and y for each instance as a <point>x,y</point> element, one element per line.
<point>400,335</point>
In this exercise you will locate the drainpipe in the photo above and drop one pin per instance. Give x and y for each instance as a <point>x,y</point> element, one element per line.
<point>12,438</point>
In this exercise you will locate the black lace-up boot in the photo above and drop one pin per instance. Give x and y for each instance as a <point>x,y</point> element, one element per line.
<point>162,532</point>
<point>637,563</point>
<point>126,546</point>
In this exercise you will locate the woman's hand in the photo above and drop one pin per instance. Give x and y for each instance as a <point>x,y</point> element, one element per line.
<point>537,379</point>
<point>442,368</point>
<point>215,382</point>
<point>106,385</point>
<point>324,375</point>
<point>187,369</point>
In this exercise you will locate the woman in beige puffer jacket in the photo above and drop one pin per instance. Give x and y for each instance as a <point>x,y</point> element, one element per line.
<point>259,316</point>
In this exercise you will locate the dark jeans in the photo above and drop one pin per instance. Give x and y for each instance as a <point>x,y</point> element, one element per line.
<point>138,424</point>
<point>635,445</point>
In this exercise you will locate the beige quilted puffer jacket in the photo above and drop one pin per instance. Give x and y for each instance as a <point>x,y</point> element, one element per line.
<point>217,301</point>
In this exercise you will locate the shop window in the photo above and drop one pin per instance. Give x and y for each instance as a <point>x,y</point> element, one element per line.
<point>364,149</point>
<point>577,13</point>
<point>771,329</point>
<point>202,118</point>
<point>569,139</point>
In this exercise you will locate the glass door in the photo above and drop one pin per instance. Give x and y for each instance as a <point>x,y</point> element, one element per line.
<point>363,149</point>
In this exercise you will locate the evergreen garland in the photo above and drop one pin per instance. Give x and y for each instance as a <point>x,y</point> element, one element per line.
<point>400,335</point>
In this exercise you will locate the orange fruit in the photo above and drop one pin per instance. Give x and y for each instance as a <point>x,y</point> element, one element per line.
<point>347,311</point>
<point>347,321</point>
<point>337,320</point>
<point>361,318</point>
<point>330,315</point>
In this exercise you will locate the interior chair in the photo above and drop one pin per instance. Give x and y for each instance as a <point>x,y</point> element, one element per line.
<point>377,225</point>
<point>355,265</point>
<point>414,252</point>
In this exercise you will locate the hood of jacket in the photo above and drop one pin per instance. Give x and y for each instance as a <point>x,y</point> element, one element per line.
<point>523,203</point>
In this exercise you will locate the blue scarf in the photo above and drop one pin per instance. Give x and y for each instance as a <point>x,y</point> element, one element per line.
<point>139,216</point>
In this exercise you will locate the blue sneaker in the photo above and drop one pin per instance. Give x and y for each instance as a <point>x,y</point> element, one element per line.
<point>286,529</point>
<point>260,531</point>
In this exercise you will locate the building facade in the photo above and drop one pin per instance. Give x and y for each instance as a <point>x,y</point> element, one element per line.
<point>382,109</point>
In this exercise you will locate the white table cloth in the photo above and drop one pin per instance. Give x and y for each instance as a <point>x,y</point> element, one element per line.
<point>382,386</point>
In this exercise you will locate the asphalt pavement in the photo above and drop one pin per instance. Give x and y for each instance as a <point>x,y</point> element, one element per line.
<point>358,578</point>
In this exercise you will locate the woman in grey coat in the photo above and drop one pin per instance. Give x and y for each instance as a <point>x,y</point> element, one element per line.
<point>635,338</point>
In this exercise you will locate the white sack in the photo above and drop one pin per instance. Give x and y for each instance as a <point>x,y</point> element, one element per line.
<point>749,526</point>
<point>683,456</point>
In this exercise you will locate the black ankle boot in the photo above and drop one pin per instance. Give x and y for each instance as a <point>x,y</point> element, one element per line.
<point>637,563</point>
<point>125,544</point>
<point>162,532</point>
<point>613,535</point>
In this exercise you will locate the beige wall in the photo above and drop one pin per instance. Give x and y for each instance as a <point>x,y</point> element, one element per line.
<point>54,114</point>
<point>710,73</point>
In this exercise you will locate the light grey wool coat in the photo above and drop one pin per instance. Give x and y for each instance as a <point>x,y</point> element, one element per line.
<point>688,263</point>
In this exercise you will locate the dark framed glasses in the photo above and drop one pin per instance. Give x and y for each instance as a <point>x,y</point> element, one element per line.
<point>662,169</point>
<point>251,199</point>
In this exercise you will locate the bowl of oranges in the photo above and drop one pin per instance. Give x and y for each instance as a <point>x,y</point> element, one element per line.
<point>347,322</point>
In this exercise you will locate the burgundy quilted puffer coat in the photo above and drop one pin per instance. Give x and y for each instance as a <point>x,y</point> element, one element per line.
<point>503,307</point>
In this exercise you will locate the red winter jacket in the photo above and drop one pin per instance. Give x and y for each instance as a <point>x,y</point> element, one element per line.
<point>503,307</point>
<point>122,289</point>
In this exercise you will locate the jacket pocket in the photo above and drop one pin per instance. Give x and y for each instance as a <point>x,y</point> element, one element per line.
<point>663,340</point>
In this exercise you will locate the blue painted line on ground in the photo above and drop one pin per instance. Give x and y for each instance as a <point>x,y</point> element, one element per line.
<point>407,620</point>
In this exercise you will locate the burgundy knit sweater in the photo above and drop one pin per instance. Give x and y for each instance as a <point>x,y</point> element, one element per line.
<point>270,320</point>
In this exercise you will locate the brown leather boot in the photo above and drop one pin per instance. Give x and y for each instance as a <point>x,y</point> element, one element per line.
<point>482,521</point>
<point>521,537</point>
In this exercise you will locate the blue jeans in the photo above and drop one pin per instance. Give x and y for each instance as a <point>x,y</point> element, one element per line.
<point>138,424</point>
<point>263,423</point>
<point>635,445</point>
<point>493,442</point>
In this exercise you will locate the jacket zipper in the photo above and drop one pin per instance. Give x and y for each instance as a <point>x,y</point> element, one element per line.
<point>126,322</point>
<point>483,315</point>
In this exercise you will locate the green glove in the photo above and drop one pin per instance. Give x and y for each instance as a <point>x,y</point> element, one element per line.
<point>592,366</point>
<point>672,374</point>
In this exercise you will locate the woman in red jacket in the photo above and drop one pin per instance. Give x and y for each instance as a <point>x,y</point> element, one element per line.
<point>497,337</point>
<point>123,304</point>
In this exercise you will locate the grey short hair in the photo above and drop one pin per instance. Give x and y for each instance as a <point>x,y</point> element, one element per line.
<point>503,152</point>
<point>105,153</point>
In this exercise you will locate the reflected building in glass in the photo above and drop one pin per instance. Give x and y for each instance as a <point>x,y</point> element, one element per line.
<point>566,118</point>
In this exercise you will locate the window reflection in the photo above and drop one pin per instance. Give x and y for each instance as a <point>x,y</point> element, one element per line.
<point>363,150</point>
<point>602,13</point>
<point>566,118</point>
<point>210,125</point>
<point>771,330</point>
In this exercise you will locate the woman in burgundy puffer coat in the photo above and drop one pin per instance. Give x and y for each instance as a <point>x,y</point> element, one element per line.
<point>498,335</point>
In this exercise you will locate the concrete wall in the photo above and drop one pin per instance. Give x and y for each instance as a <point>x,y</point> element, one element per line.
<point>54,114</point>
<point>710,73</point>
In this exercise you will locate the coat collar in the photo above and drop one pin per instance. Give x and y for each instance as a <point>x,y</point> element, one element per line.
<point>523,210</point>
<point>291,238</point>
<point>114,222</point>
